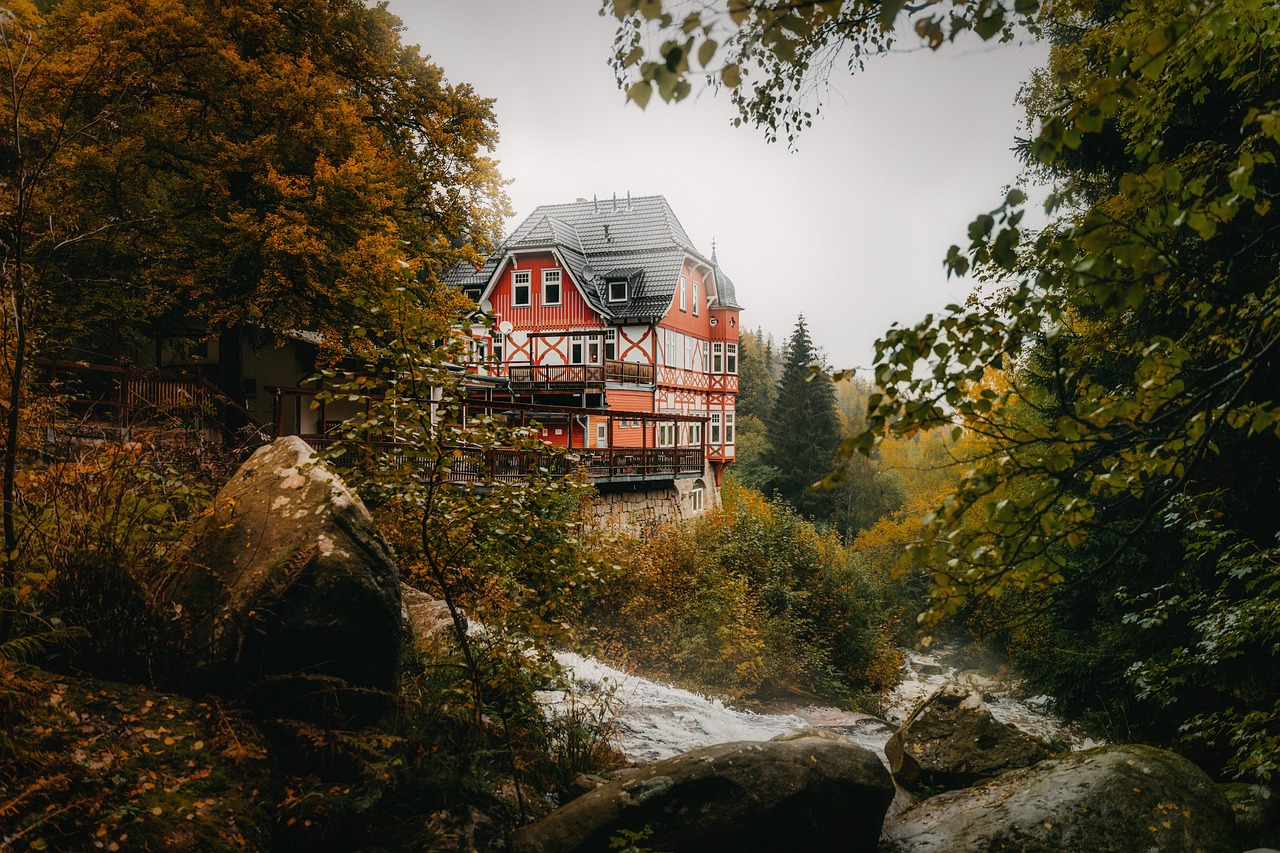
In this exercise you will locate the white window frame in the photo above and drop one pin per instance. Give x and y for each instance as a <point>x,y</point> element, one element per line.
<point>714,437</point>
<point>697,496</point>
<point>706,358</point>
<point>496,348</point>
<point>730,428</point>
<point>521,278</point>
<point>610,344</point>
<point>683,296</point>
<point>552,278</point>
<point>575,349</point>
<point>666,434</point>
<point>594,350</point>
<point>615,283</point>
<point>731,358</point>
<point>694,286</point>
<point>717,357</point>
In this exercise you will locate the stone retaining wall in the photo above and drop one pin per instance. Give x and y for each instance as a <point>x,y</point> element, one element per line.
<point>638,508</point>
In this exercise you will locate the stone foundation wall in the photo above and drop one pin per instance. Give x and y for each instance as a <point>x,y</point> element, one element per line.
<point>636,511</point>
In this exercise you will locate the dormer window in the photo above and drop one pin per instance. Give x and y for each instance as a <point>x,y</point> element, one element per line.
<point>551,287</point>
<point>618,290</point>
<point>520,288</point>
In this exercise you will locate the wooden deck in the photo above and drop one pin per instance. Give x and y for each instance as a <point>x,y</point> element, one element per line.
<point>604,465</point>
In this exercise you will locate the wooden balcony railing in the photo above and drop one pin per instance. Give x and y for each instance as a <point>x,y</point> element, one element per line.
<point>134,395</point>
<point>550,377</point>
<point>628,372</point>
<point>474,464</point>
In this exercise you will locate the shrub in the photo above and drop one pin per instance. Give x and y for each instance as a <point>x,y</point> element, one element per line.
<point>751,599</point>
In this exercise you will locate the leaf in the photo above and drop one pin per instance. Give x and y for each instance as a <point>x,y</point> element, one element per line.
<point>640,93</point>
<point>731,75</point>
<point>707,52</point>
<point>889,10</point>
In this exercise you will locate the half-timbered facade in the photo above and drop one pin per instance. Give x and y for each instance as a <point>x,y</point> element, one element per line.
<point>608,306</point>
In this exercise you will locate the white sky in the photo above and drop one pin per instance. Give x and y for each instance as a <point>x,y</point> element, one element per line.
<point>849,230</point>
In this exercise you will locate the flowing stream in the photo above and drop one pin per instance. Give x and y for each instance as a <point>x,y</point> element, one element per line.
<point>654,721</point>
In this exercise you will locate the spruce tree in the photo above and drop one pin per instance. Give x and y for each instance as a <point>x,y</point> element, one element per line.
<point>804,429</point>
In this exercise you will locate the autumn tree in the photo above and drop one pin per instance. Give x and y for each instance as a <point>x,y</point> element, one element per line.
<point>227,167</point>
<point>1136,440</point>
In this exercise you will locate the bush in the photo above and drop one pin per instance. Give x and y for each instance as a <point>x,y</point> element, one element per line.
<point>752,600</point>
<point>97,533</point>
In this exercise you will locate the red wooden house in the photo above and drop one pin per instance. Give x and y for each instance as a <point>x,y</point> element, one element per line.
<point>606,308</point>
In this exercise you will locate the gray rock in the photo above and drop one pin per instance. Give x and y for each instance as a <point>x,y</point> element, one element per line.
<point>289,590</point>
<point>1114,799</point>
<point>810,793</point>
<point>951,741</point>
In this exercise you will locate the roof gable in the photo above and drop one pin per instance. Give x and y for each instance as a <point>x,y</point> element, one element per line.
<point>637,238</point>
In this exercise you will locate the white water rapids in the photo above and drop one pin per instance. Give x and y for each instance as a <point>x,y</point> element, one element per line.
<point>652,721</point>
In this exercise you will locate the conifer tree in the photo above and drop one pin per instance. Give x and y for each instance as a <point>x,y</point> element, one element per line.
<point>804,428</point>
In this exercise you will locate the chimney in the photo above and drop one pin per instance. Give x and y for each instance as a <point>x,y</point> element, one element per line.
<point>579,201</point>
<point>595,203</point>
<point>628,199</point>
<point>615,202</point>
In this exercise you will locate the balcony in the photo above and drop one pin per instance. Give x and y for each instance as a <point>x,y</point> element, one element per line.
<point>529,378</point>
<point>473,464</point>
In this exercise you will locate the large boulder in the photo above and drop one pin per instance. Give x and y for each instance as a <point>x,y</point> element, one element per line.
<point>290,591</point>
<point>1113,799</point>
<point>809,793</point>
<point>951,741</point>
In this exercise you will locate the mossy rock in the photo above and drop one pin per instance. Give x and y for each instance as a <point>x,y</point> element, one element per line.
<point>1114,799</point>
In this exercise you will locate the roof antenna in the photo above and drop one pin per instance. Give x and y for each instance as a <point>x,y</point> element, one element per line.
<point>595,203</point>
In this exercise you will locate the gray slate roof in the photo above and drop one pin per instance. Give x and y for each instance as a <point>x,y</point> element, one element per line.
<point>637,238</point>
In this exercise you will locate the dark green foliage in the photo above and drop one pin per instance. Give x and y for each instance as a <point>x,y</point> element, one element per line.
<point>804,429</point>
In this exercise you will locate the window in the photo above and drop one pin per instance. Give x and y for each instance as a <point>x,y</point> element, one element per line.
<point>575,349</point>
<point>683,299</point>
<point>520,288</point>
<point>697,495</point>
<point>496,349</point>
<point>670,353</point>
<point>694,285</point>
<point>611,344</point>
<point>717,358</point>
<point>695,435</point>
<point>730,358</point>
<point>551,287</point>
<point>715,428</point>
<point>593,350</point>
<point>729,418</point>
<point>706,357</point>
<point>666,434</point>
<point>618,290</point>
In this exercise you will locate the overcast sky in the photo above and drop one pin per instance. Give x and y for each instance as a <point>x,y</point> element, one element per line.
<point>849,230</point>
